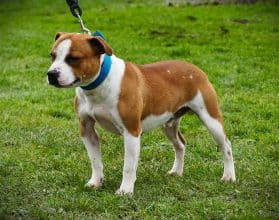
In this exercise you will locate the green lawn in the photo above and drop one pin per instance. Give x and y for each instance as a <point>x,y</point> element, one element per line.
<point>44,165</point>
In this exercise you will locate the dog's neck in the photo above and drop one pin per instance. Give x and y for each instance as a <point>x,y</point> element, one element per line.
<point>102,75</point>
<point>109,89</point>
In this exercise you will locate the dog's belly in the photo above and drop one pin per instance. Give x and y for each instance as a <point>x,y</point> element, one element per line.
<point>153,121</point>
<point>104,118</point>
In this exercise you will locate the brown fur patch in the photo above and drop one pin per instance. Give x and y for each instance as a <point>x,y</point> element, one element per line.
<point>82,128</point>
<point>166,86</point>
<point>87,130</point>
<point>76,104</point>
<point>130,103</point>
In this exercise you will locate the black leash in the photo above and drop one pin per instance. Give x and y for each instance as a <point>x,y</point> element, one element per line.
<point>77,12</point>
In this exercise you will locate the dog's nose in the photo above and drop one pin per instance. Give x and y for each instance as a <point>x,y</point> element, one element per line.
<point>53,77</point>
<point>53,74</point>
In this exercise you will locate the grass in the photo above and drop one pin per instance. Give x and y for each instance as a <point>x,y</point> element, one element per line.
<point>43,164</point>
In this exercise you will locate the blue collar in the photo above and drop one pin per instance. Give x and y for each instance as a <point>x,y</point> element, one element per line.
<point>105,68</point>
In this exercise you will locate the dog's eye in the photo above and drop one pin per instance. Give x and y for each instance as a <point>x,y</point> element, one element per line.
<point>72,60</point>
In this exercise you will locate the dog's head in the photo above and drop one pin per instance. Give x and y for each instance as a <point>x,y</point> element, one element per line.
<point>76,59</point>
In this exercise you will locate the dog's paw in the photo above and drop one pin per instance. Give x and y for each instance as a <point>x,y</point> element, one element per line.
<point>175,173</point>
<point>228,178</point>
<point>124,192</point>
<point>94,184</point>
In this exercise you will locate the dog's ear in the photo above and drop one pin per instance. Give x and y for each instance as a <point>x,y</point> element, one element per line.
<point>100,45</point>
<point>59,34</point>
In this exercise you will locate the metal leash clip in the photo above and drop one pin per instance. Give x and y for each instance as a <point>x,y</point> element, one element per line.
<point>83,28</point>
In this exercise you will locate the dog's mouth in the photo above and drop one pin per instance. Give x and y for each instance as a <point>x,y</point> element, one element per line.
<point>74,83</point>
<point>62,84</point>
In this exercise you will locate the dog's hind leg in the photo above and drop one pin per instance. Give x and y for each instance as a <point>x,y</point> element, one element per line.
<point>90,139</point>
<point>206,107</point>
<point>171,129</point>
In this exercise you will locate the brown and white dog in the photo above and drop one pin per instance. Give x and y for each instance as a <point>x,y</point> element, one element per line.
<point>132,99</point>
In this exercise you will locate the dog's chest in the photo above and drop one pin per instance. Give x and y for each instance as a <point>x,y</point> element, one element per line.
<point>106,116</point>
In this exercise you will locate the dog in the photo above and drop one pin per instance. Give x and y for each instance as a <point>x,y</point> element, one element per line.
<point>129,99</point>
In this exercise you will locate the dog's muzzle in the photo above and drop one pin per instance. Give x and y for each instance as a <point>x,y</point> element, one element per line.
<point>53,79</point>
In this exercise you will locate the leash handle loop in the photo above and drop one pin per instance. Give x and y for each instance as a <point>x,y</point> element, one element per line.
<point>73,4</point>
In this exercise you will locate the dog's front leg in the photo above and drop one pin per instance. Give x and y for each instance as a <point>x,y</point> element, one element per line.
<point>131,157</point>
<point>90,139</point>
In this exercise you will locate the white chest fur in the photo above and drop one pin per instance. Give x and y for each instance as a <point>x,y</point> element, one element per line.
<point>101,103</point>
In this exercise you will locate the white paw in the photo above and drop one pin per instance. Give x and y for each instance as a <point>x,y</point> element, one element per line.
<point>228,178</point>
<point>94,184</point>
<point>175,173</point>
<point>124,192</point>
